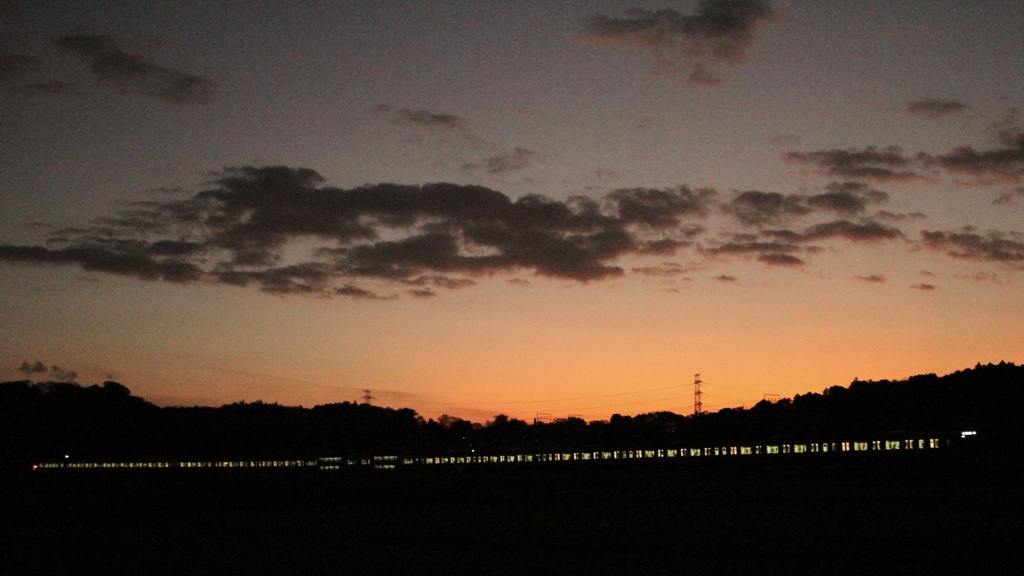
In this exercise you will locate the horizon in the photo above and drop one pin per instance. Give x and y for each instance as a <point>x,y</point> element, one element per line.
<point>551,417</point>
<point>477,210</point>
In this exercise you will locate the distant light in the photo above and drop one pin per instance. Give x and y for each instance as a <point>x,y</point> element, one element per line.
<point>66,456</point>
<point>967,433</point>
<point>35,466</point>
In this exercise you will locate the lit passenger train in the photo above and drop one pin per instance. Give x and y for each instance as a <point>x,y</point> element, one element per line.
<point>393,462</point>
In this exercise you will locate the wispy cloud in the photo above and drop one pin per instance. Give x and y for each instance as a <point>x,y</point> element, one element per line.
<point>934,109</point>
<point>873,278</point>
<point>422,118</point>
<point>489,158</point>
<point>694,46</point>
<point>504,162</point>
<point>132,74</point>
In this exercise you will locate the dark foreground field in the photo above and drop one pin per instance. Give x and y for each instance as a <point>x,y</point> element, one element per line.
<point>934,516</point>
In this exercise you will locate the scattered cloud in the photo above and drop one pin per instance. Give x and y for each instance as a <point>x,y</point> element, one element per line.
<point>887,164</point>
<point>132,74</point>
<point>968,244</point>
<point>874,278</point>
<point>924,287</point>
<point>691,46</point>
<point>983,277</point>
<point>489,158</point>
<point>847,198</point>
<point>934,109</point>
<point>282,230</point>
<point>897,217</point>
<point>1002,163</point>
<point>758,208</point>
<point>55,373</point>
<point>664,270</point>
<point>725,278</point>
<point>499,164</point>
<point>780,259</point>
<point>422,118</point>
<point>856,231</point>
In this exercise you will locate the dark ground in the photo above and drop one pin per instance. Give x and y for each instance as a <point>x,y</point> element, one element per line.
<point>937,516</point>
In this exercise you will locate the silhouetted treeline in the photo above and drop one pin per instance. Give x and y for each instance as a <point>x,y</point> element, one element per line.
<point>50,420</point>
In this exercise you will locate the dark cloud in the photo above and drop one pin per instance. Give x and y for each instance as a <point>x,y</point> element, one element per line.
<point>855,231</point>
<point>665,270</point>
<point>967,243</point>
<point>934,109</point>
<point>894,217</point>
<point>244,229</point>
<point>753,247</point>
<point>422,118</point>
<point>924,287</point>
<point>55,372</point>
<point>780,259</point>
<point>1001,164</point>
<point>128,259</point>
<point>14,66</point>
<point>870,163</point>
<point>516,159</point>
<point>28,368</point>
<point>131,74</point>
<point>874,278</point>
<point>777,247</point>
<point>1010,198</point>
<point>720,32</point>
<point>757,208</point>
<point>847,198</point>
<point>660,207</point>
<point>354,292</point>
<point>725,278</point>
<point>440,282</point>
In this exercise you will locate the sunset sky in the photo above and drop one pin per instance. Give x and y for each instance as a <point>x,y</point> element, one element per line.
<point>527,207</point>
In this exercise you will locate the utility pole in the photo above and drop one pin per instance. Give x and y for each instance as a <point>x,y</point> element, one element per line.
<point>367,396</point>
<point>697,405</point>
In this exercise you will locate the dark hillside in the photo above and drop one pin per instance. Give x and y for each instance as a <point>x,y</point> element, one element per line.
<point>50,420</point>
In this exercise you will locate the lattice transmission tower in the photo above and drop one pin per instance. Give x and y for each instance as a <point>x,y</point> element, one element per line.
<point>697,405</point>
